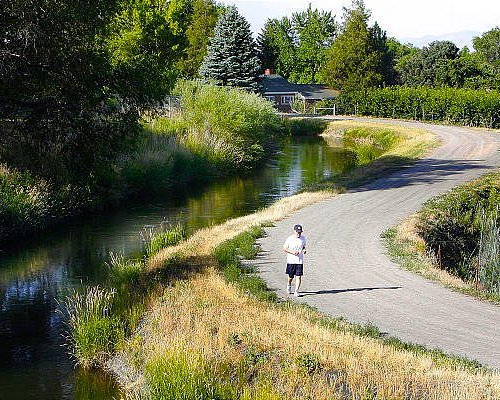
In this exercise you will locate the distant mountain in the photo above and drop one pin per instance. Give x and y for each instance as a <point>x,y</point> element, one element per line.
<point>461,39</point>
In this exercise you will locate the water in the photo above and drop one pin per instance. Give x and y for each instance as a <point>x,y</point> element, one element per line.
<point>33,362</point>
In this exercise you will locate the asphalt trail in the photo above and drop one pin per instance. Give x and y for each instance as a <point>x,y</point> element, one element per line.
<point>347,271</point>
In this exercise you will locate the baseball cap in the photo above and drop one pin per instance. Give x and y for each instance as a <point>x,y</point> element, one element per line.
<point>297,228</point>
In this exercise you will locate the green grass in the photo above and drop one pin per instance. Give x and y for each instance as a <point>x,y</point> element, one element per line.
<point>179,377</point>
<point>95,333</point>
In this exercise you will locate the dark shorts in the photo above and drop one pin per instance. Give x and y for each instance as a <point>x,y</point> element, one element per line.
<point>294,270</point>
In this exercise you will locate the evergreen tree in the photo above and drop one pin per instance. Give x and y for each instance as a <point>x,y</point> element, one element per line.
<point>231,58</point>
<point>355,60</point>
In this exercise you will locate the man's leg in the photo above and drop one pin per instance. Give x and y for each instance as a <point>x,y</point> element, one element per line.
<point>289,285</point>
<point>297,285</point>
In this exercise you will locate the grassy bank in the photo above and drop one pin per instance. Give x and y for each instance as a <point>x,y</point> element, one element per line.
<point>220,131</point>
<point>212,330</point>
<point>454,239</point>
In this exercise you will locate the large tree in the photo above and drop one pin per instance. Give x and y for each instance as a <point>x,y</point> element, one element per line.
<point>315,31</point>
<point>276,46</point>
<point>295,47</point>
<point>231,58</point>
<point>355,60</point>
<point>54,81</point>
<point>198,33</point>
<point>146,40</point>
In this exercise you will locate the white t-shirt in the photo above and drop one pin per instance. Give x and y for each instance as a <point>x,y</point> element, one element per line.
<point>294,243</point>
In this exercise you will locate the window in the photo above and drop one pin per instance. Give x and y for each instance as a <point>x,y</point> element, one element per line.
<point>271,99</point>
<point>286,99</point>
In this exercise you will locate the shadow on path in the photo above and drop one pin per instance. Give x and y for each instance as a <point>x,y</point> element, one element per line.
<point>425,171</point>
<point>336,291</point>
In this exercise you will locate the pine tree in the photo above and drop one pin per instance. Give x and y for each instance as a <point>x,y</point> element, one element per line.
<point>231,59</point>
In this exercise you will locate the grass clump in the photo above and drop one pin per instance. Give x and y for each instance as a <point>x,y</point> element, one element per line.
<point>159,238</point>
<point>177,375</point>
<point>95,332</point>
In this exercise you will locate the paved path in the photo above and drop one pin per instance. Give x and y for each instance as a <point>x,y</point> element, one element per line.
<point>348,273</point>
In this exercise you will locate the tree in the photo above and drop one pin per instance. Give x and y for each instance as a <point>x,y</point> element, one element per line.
<point>315,31</point>
<point>146,40</point>
<point>355,61</point>
<point>488,46</point>
<point>198,33</point>
<point>231,59</point>
<point>55,78</point>
<point>295,47</point>
<point>276,46</point>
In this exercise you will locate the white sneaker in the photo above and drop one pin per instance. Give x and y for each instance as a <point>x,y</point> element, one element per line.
<point>297,293</point>
<point>289,289</point>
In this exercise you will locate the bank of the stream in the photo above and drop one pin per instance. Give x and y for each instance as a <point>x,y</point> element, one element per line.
<point>454,239</point>
<point>256,361</point>
<point>219,132</point>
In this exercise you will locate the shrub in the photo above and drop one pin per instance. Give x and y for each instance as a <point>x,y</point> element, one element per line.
<point>459,106</point>
<point>231,127</point>
<point>303,126</point>
<point>453,223</point>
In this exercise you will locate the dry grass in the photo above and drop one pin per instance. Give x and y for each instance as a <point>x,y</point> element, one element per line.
<point>209,317</point>
<point>408,240</point>
<point>204,241</point>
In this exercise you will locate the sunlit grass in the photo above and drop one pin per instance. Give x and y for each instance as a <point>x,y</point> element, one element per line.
<point>250,344</point>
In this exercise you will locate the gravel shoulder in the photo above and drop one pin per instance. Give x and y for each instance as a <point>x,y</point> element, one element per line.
<point>348,274</point>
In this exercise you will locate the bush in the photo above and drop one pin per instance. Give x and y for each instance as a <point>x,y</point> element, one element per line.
<point>453,222</point>
<point>304,126</point>
<point>29,204</point>
<point>458,106</point>
<point>230,127</point>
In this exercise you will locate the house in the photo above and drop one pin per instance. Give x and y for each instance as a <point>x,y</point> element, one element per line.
<point>283,94</point>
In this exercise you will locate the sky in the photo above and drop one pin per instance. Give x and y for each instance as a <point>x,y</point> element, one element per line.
<point>403,19</point>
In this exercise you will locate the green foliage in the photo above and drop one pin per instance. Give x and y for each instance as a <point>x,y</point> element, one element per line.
<point>295,47</point>
<point>459,106</point>
<point>94,332</point>
<point>454,222</point>
<point>230,128</point>
<point>146,38</point>
<point>198,34</point>
<point>124,271</point>
<point>308,362</point>
<point>29,204</point>
<point>161,237</point>
<point>488,46</point>
<point>304,126</point>
<point>177,376</point>
<point>231,58</point>
<point>355,58</point>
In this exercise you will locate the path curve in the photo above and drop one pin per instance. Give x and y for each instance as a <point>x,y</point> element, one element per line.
<point>347,271</point>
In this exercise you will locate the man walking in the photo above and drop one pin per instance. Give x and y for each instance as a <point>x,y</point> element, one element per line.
<point>295,247</point>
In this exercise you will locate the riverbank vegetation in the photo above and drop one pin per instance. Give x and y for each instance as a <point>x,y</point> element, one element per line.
<point>455,238</point>
<point>374,149</point>
<point>211,328</point>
